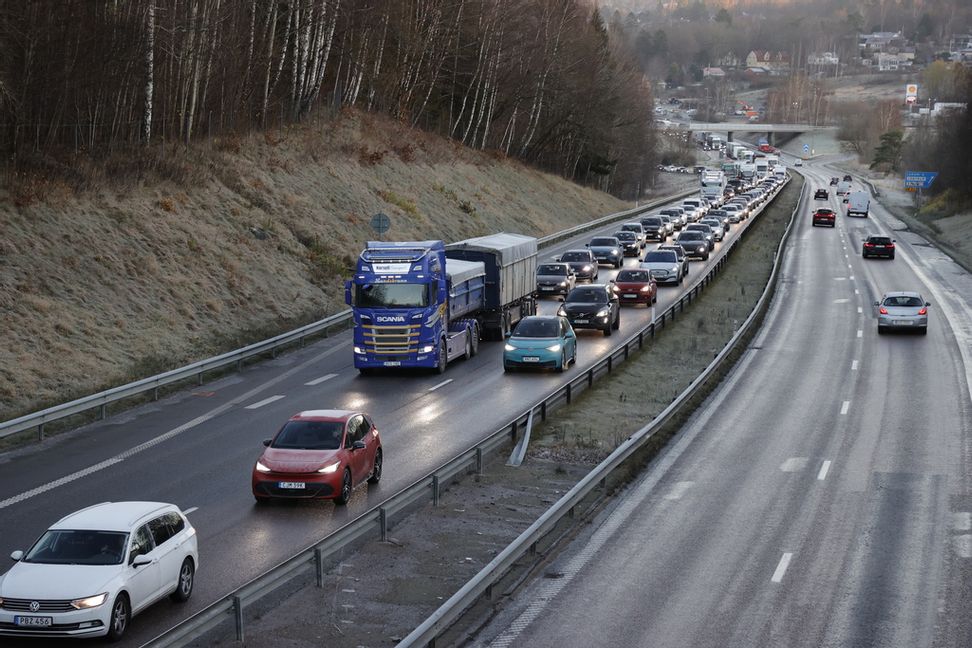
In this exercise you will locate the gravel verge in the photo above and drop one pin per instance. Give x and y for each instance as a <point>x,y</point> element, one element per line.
<point>381,591</point>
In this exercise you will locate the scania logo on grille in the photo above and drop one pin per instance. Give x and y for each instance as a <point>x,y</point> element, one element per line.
<point>389,318</point>
<point>34,606</point>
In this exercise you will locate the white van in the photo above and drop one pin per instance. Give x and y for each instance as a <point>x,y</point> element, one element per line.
<point>858,203</point>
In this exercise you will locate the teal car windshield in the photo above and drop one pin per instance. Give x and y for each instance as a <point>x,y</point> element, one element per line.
<point>537,328</point>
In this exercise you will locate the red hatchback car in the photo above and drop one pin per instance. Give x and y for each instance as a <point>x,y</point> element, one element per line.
<point>319,454</point>
<point>824,216</point>
<point>635,287</point>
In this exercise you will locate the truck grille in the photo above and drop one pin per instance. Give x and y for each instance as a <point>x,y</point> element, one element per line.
<point>385,340</point>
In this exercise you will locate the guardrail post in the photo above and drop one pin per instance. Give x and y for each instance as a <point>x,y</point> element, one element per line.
<point>273,352</point>
<point>543,411</point>
<point>239,364</point>
<point>435,490</point>
<point>200,378</point>
<point>480,464</point>
<point>641,341</point>
<point>610,362</point>
<point>103,412</point>
<point>319,566</point>
<point>513,432</point>
<point>155,394</point>
<point>567,392</point>
<point>40,432</point>
<point>383,523</point>
<point>590,375</point>
<point>238,613</point>
<point>300,343</point>
<point>625,350</point>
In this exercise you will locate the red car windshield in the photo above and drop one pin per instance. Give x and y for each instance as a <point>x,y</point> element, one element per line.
<point>309,435</point>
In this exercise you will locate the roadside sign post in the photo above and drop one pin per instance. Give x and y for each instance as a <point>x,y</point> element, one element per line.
<point>380,223</point>
<point>918,180</point>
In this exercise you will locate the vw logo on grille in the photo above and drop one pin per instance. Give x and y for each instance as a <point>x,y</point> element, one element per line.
<point>34,606</point>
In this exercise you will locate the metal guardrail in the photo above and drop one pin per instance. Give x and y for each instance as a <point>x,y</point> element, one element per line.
<point>315,557</point>
<point>101,400</point>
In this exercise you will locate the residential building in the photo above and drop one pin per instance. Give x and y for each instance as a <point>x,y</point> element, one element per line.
<point>764,61</point>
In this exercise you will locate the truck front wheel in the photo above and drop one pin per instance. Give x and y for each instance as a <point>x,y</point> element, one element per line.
<point>440,366</point>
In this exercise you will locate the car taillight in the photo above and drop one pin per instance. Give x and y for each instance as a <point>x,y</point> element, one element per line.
<point>923,311</point>
<point>883,310</point>
<point>890,245</point>
<point>868,245</point>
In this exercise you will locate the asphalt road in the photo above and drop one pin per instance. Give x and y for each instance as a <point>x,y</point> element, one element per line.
<point>196,448</point>
<point>820,497</point>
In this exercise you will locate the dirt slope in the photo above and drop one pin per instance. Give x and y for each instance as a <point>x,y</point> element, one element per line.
<point>126,279</point>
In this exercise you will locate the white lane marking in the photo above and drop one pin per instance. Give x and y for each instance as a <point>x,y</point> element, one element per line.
<point>441,384</point>
<point>841,301</point>
<point>857,292</point>
<point>860,310</point>
<point>844,407</point>
<point>822,475</point>
<point>840,278</point>
<point>318,381</point>
<point>794,464</point>
<point>678,489</point>
<point>850,267</point>
<point>962,521</point>
<point>851,277</point>
<point>191,509</point>
<point>781,568</point>
<point>963,545</point>
<point>860,332</point>
<point>265,401</point>
<point>67,479</point>
<point>854,365</point>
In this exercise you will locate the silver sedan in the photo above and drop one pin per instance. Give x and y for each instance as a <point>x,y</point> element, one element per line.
<point>903,310</point>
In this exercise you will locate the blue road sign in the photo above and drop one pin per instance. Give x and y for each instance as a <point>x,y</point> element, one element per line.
<point>920,179</point>
<point>380,223</point>
<point>806,148</point>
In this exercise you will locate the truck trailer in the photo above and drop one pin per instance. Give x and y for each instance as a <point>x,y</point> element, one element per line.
<point>422,304</point>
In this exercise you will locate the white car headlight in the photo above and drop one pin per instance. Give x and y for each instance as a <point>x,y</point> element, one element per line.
<point>604,312</point>
<point>509,347</point>
<point>562,284</point>
<point>261,468</point>
<point>89,602</point>
<point>586,268</point>
<point>562,312</point>
<point>615,252</point>
<point>646,289</point>
<point>332,468</point>
<point>554,348</point>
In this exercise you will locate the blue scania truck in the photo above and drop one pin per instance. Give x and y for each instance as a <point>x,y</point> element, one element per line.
<point>424,303</point>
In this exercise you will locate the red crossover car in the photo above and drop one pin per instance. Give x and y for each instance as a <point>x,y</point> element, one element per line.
<point>824,216</point>
<point>636,287</point>
<point>319,454</point>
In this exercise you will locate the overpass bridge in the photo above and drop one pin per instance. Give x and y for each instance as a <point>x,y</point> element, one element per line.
<point>747,127</point>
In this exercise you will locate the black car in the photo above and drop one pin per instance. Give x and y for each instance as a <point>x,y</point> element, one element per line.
<point>834,181</point>
<point>847,178</point>
<point>878,246</point>
<point>607,250</point>
<point>821,194</point>
<point>655,229</point>
<point>595,307</point>
<point>582,262</point>
<point>706,232</point>
<point>695,244</point>
<point>629,243</point>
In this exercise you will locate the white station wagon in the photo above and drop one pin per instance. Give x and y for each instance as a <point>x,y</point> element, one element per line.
<point>96,568</point>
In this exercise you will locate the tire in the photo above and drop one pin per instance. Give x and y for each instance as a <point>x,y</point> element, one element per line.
<point>468,352</point>
<point>261,501</point>
<point>563,362</point>
<point>345,495</point>
<point>375,475</point>
<point>891,258</point>
<point>121,616</point>
<point>475,339</point>
<point>608,330</point>
<point>654,298</point>
<point>923,330</point>
<point>507,368</point>
<point>617,322</point>
<point>881,330</point>
<point>617,264</point>
<point>366,371</point>
<point>443,359</point>
<point>187,578</point>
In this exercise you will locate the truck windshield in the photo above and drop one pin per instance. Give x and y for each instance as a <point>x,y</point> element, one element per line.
<point>388,295</point>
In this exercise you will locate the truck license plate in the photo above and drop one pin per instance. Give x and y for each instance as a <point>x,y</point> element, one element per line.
<point>392,363</point>
<point>292,485</point>
<point>31,621</point>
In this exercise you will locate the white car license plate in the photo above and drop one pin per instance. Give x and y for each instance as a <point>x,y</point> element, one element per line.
<point>902,322</point>
<point>392,363</point>
<point>531,359</point>
<point>35,622</point>
<point>581,321</point>
<point>630,295</point>
<point>548,287</point>
<point>292,485</point>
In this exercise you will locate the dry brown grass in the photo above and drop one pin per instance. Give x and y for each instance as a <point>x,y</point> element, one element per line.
<point>197,250</point>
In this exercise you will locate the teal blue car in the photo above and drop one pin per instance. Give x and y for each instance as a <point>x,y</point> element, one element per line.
<point>546,341</point>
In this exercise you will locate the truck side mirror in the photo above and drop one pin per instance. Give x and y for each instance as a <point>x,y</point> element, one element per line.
<point>443,291</point>
<point>347,293</point>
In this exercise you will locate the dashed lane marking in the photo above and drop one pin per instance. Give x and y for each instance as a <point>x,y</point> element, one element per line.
<point>265,401</point>
<point>781,567</point>
<point>318,381</point>
<point>824,469</point>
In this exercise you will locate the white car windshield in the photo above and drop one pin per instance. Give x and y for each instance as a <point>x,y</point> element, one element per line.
<point>82,547</point>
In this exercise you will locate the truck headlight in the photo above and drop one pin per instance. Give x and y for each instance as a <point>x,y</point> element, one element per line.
<point>359,350</point>
<point>428,348</point>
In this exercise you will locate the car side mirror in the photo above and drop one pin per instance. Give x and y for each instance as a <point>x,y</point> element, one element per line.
<point>877,303</point>
<point>587,245</point>
<point>140,560</point>
<point>358,445</point>
<point>17,555</point>
<point>927,303</point>
<point>267,442</point>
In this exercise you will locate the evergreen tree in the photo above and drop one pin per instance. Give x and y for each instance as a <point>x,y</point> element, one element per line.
<point>888,153</point>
